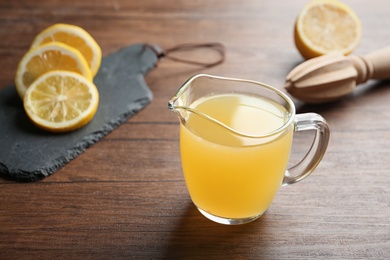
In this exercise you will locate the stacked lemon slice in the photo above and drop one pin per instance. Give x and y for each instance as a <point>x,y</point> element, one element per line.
<point>55,78</point>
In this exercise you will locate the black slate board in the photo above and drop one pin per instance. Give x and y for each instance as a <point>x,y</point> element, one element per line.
<point>29,154</point>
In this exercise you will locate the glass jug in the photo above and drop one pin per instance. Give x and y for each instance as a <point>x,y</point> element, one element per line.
<point>235,143</point>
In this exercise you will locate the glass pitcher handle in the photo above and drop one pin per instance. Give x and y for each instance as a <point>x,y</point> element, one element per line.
<point>303,122</point>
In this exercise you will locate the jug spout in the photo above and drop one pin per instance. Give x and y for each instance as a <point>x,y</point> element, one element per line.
<point>180,111</point>
<point>171,104</point>
<point>184,113</point>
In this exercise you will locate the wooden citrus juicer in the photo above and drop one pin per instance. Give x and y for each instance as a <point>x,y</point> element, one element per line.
<point>333,76</point>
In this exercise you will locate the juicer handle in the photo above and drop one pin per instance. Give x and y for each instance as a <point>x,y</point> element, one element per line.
<point>380,61</point>
<point>375,65</point>
<point>303,122</point>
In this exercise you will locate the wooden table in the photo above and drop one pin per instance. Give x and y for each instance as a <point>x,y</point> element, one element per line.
<point>125,197</point>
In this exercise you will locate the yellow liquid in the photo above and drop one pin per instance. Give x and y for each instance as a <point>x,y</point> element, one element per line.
<point>228,175</point>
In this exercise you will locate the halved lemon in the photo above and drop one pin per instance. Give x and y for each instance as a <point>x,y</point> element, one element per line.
<point>47,57</point>
<point>61,101</point>
<point>325,26</point>
<point>75,37</point>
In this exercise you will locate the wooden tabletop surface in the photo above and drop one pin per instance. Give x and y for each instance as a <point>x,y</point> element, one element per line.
<point>125,197</point>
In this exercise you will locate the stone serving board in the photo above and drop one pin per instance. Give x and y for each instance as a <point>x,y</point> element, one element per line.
<point>29,154</point>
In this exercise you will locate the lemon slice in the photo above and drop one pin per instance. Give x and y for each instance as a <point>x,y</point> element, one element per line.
<point>325,26</point>
<point>61,101</point>
<point>75,37</point>
<point>50,56</point>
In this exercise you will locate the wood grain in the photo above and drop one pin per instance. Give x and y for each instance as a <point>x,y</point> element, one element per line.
<point>125,197</point>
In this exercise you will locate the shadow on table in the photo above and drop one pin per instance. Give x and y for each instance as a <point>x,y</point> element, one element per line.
<point>197,237</point>
<point>369,93</point>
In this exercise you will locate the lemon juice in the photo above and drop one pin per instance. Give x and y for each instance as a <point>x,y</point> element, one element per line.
<point>232,173</point>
